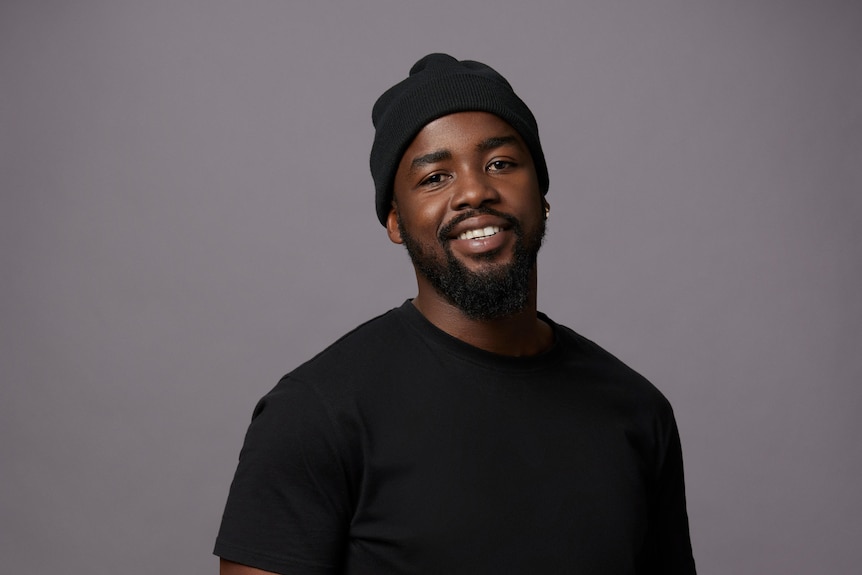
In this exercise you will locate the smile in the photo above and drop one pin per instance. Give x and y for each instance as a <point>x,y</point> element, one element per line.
<point>480,233</point>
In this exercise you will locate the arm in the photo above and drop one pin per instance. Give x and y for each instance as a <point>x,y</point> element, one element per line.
<point>288,510</point>
<point>672,544</point>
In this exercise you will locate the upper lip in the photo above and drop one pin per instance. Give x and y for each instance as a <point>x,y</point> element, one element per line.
<point>476,223</point>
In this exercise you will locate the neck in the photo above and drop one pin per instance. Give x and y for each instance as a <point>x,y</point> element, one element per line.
<point>519,334</point>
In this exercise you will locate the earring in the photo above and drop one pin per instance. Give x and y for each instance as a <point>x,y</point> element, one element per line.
<point>547,211</point>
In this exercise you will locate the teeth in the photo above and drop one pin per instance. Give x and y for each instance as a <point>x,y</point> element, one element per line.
<point>482,233</point>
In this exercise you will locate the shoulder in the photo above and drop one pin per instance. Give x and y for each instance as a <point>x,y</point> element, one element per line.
<point>362,349</point>
<point>607,370</point>
<point>624,397</point>
<point>346,369</point>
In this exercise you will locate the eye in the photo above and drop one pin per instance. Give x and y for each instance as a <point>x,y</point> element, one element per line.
<point>434,179</point>
<point>500,165</point>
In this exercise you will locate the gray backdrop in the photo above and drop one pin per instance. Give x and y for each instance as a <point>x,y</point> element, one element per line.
<point>187,214</point>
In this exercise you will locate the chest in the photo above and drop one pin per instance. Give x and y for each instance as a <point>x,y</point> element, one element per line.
<point>500,479</point>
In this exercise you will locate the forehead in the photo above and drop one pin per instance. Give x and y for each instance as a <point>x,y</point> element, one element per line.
<point>461,128</point>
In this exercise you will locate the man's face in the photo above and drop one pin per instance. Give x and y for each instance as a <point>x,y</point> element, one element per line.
<point>469,211</point>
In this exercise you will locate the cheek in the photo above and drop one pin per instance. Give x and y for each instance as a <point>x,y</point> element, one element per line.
<point>531,203</point>
<point>424,215</point>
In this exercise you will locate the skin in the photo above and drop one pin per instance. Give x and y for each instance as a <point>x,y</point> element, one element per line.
<point>231,568</point>
<point>459,163</point>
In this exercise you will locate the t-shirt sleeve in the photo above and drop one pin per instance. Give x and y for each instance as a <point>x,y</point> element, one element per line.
<point>288,509</point>
<point>670,542</point>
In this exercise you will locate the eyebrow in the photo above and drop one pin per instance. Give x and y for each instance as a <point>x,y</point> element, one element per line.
<point>495,142</point>
<point>485,145</point>
<point>432,158</point>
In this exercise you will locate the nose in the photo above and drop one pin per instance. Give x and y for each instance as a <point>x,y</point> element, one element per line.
<point>472,189</point>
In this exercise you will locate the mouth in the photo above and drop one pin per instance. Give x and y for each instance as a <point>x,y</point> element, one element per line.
<point>480,239</point>
<point>477,224</point>
<point>479,233</point>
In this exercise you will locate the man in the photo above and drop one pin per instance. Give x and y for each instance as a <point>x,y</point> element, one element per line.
<point>463,432</point>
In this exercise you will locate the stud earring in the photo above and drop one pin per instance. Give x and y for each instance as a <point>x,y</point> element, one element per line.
<point>547,212</point>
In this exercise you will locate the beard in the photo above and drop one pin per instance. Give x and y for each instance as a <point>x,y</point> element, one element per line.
<point>498,290</point>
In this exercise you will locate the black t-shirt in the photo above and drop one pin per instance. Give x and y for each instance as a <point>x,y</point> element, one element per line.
<point>400,449</point>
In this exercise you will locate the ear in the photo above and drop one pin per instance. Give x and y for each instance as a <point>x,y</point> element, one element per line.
<point>546,207</point>
<point>392,226</point>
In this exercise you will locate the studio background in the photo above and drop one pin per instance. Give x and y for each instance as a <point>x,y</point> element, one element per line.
<point>187,214</point>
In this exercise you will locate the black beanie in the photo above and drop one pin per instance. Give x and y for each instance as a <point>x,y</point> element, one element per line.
<point>439,85</point>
